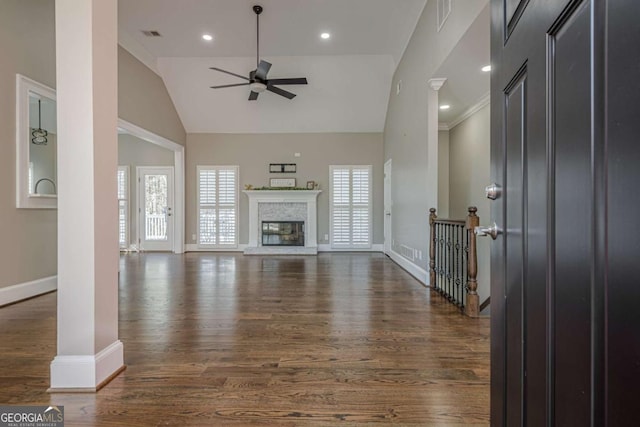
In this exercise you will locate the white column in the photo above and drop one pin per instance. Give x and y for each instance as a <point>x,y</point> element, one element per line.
<point>432,140</point>
<point>89,352</point>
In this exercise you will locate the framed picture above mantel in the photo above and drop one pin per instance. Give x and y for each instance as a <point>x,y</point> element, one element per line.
<point>282,168</point>
<point>282,183</point>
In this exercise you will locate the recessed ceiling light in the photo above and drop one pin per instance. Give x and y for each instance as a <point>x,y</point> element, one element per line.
<point>486,68</point>
<point>325,36</point>
<point>445,107</point>
<point>207,37</point>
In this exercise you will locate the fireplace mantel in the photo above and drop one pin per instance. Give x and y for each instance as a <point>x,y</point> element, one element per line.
<point>258,197</point>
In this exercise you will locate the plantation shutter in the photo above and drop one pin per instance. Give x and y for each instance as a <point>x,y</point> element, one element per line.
<point>218,206</point>
<point>350,207</point>
<point>123,206</point>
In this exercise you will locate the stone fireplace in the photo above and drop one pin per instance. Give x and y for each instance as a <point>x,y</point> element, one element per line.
<point>295,209</point>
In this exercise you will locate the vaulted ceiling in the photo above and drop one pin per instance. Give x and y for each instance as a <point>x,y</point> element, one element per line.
<point>349,74</point>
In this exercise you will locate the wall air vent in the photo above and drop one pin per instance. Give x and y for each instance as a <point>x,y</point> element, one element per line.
<point>151,33</point>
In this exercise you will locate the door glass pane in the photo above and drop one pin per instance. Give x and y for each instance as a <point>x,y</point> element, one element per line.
<point>155,193</point>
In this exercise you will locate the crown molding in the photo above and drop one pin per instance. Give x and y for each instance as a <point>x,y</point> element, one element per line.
<point>443,126</point>
<point>483,102</point>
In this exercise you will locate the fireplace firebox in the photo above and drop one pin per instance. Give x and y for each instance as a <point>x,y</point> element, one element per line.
<point>282,233</point>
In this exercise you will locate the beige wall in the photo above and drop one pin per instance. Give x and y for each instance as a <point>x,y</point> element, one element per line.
<point>134,152</point>
<point>144,101</point>
<point>27,44</point>
<point>254,152</point>
<point>405,136</point>
<point>469,165</point>
<point>443,174</point>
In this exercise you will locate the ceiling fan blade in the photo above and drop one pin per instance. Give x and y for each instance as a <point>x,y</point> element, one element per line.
<point>281,92</point>
<point>253,96</point>
<point>228,72</point>
<point>234,85</point>
<point>296,81</point>
<point>263,70</point>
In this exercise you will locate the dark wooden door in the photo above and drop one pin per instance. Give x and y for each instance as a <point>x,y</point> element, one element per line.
<point>566,152</point>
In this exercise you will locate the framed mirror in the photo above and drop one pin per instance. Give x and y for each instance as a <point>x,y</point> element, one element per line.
<point>36,145</point>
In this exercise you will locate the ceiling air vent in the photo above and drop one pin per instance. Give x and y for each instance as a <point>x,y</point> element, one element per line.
<point>151,33</point>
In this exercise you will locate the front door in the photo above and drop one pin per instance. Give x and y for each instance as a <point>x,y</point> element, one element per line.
<point>557,355</point>
<point>155,208</point>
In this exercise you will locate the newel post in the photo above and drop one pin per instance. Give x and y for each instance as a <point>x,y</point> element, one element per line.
<point>432,247</point>
<point>473,302</point>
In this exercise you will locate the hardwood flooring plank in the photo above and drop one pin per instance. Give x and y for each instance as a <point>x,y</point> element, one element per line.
<point>228,340</point>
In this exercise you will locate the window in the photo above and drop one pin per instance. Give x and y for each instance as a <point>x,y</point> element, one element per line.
<point>123,206</point>
<point>350,207</point>
<point>218,206</point>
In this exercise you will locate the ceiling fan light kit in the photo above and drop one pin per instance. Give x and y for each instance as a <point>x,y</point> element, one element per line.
<point>258,87</point>
<point>257,80</point>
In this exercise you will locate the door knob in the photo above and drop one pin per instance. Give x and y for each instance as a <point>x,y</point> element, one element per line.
<point>492,191</point>
<point>491,230</point>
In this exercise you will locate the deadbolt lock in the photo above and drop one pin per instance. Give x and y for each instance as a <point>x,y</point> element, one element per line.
<point>493,191</point>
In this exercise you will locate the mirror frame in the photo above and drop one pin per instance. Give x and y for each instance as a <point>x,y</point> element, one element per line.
<point>24,198</point>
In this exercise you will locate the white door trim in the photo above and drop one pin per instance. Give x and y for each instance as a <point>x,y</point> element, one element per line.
<point>178,177</point>
<point>141,170</point>
<point>388,207</point>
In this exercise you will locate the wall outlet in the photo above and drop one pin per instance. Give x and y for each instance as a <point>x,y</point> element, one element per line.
<point>193,237</point>
<point>296,155</point>
<point>420,254</point>
<point>326,237</point>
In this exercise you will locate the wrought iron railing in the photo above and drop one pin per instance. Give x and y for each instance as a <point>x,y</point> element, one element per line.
<point>453,260</point>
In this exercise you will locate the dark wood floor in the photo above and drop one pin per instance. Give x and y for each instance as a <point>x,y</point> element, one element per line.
<point>226,340</point>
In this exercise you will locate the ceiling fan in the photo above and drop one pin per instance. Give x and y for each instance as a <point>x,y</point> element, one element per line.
<point>257,79</point>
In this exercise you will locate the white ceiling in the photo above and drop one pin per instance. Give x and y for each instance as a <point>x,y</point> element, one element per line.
<point>287,27</point>
<point>349,75</point>
<point>466,83</point>
<point>343,94</point>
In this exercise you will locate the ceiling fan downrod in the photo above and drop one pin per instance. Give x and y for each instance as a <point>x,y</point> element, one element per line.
<point>258,10</point>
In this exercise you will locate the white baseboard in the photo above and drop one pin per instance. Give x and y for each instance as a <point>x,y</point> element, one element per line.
<point>321,248</point>
<point>328,248</point>
<point>26,290</point>
<point>197,248</point>
<point>87,371</point>
<point>416,271</point>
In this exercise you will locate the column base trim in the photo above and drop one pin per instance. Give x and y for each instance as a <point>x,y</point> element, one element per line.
<point>86,374</point>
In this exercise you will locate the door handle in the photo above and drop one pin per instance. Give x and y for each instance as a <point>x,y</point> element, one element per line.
<point>493,191</point>
<point>492,230</point>
<point>387,213</point>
